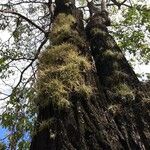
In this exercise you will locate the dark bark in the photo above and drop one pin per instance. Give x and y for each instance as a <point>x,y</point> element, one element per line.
<point>91,123</point>
<point>113,70</point>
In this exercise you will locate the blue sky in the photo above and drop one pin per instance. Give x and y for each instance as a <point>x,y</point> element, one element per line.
<point>3,134</point>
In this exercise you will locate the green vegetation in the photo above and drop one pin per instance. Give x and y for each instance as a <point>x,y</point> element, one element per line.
<point>62,28</point>
<point>124,91</point>
<point>111,54</point>
<point>61,67</point>
<point>63,31</point>
<point>63,22</point>
<point>114,109</point>
<point>61,71</point>
<point>97,31</point>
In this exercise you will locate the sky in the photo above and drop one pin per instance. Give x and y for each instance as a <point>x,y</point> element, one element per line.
<point>3,134</point>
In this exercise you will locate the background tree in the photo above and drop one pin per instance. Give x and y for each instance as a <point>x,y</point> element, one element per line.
<point>68,88</point>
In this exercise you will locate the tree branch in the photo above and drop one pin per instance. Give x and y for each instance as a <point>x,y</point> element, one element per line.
<point>27,2</point>
<point>119,4</point>
<point>25,18</point>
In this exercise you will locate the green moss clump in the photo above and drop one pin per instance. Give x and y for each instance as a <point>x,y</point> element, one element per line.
<point>62,54</point>
<point>115,65</point>
<point>146,102</point>
<point>124,91</point>
<point>63,22</point>
<point>114,109</point>
<point>57,93</point>
<point>114,55</point>
<point>117,76</point>
<point>61,67</point>
<point>85,90</point>
<point>109,53</point>
<point>60,71</point>
<point>52,91</point>
<point>110,43</point>
<point>97,31</point>
<point>52,134</point>
<point>56,55</point>
<point>64,31</point>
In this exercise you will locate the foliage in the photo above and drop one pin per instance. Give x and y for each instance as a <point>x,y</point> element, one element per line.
<point>132,32</point>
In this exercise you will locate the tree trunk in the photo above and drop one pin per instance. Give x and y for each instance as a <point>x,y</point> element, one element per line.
<point>122,88</point>
<point>86,107</point>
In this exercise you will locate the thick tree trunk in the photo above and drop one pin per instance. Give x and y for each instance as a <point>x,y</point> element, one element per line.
<point>120,85</point>
<point>99,116</point>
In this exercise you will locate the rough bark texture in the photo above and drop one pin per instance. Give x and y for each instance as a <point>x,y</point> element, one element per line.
<point>110,118</point>
<point>120,85</point>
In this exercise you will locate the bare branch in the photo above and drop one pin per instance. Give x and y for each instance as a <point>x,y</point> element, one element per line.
<point>103,5</point>
<point>119,4</point>
<point>24,2</point>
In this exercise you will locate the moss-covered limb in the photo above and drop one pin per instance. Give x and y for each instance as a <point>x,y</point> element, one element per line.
<point>62,71</point>
<point>111,65</point>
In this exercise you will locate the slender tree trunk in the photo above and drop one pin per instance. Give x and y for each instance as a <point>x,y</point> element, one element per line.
<point>90,106</point>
